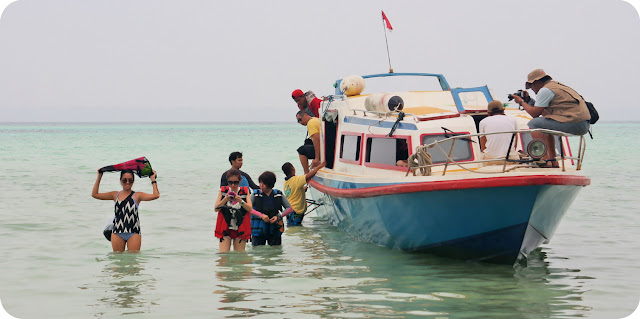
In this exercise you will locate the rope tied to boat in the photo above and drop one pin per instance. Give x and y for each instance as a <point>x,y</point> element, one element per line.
<point>421,159</point>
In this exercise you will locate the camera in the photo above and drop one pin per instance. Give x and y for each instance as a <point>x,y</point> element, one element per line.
<point>520,93</point>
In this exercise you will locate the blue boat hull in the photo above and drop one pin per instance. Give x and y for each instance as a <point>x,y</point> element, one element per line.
<point>494,224</point>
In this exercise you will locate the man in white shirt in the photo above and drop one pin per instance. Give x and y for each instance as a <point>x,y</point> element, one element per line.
<point>496,145</point>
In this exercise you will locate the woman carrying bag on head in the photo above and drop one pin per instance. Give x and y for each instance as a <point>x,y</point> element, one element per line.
<point>127,221</point>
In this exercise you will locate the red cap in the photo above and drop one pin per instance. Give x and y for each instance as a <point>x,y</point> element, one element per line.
<point>297,93</point>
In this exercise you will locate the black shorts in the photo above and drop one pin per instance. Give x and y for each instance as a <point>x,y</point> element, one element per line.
<point>308,151</point>
<point>272,241</point>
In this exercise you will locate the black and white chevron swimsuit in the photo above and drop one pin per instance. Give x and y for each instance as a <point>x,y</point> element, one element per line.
<point>127,219</point>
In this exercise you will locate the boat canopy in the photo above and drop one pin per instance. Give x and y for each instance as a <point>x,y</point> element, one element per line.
<point>443,82</point>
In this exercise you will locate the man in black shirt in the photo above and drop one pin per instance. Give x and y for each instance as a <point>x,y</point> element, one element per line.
<point>235,159</point>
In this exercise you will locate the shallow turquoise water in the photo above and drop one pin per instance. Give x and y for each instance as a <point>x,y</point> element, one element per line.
<point>56,264</point>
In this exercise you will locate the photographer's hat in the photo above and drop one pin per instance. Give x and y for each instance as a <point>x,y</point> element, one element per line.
<point>535,75</point>
<point>495,106</point>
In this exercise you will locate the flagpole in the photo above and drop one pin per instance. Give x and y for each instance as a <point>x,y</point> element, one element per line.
<point>384,29</point>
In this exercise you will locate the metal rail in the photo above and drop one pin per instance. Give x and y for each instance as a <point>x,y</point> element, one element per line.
<point>423,148</point>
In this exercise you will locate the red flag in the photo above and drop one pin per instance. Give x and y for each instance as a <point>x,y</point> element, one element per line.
<point>384,18</point>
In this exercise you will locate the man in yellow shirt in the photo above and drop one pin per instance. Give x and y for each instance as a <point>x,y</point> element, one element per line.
<point>310,150</point>
<point>294,190</point>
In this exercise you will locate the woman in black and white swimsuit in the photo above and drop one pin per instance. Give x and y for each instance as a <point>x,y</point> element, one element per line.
<point>126,222</point>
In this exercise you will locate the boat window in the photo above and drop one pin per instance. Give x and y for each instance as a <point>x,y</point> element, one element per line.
<point>350,147</point>
<point>386,151</point>
<point>474,100</point>
<point>461,152</point>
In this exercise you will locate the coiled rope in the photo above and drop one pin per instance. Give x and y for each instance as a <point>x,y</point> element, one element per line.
<point>420,159</point>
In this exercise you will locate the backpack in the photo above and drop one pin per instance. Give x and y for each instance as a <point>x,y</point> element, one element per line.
<point>593,112</point>
<point>592,109</point>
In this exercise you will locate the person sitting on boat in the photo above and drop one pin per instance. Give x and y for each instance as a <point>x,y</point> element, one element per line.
<point>273,205</point>
<point>402,153</point>
<point>235,158</point>
<point>307,102</point>
<point>310,150</point>
<point>294,190</point>
<point>558,107</point>
<point>233,204</point>
<point>496,145</point>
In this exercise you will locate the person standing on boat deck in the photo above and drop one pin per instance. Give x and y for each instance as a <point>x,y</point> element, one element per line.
<point>294,190</point>
<point>307,102</point>
<point>271,203</point>
<point>496,146</point>
<point>558,107</point>
<point>126,231</point>
<point>235,158</point>
<point>306,151</point>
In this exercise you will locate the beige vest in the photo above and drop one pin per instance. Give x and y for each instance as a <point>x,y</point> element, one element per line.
<point>567,105</point>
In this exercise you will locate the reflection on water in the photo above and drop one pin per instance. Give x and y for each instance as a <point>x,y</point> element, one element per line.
<point>230,267</point>
<point>125,284</point>
<point>321,273</point>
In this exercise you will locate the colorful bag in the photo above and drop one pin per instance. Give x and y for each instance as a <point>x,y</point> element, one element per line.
<point>141,166</point>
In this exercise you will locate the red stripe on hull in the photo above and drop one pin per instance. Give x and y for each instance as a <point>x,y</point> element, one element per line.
<point>573,180</point>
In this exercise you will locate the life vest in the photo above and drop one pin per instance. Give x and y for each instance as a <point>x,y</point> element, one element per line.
<point>258,226</point>
<point>226,214</point>
<point>258,203</point>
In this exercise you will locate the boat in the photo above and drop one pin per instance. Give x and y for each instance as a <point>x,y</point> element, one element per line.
<point>454,203</point>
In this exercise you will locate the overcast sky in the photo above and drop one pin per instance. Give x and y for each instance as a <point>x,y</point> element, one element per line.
<point>188,60</point>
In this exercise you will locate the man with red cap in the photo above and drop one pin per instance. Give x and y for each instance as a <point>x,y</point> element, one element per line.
<point>307,102</point>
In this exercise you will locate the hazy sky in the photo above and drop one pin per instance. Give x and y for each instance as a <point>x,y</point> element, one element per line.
<point>155,60</point>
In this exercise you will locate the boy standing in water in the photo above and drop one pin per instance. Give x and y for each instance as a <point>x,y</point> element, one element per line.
<point>267,227</point>
<point>294,190</point>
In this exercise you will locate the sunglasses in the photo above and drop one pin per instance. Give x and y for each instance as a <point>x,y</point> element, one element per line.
<point>299,119</point>
<point>233,182</point>
<point>127,180</point>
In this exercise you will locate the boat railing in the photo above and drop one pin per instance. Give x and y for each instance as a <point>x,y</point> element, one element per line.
<point>385,115</point>
<point>421,151</point>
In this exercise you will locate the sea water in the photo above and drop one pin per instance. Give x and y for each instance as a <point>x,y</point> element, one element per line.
<point>55,263</point>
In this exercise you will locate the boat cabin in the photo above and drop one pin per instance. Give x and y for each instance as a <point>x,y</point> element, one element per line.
<point>361,132</point>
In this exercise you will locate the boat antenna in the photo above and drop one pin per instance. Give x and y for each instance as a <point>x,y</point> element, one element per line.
<point>387,25</point>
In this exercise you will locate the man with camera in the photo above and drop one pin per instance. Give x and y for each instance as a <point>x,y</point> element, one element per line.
<point>559,108</point>
<point>524,95</point>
